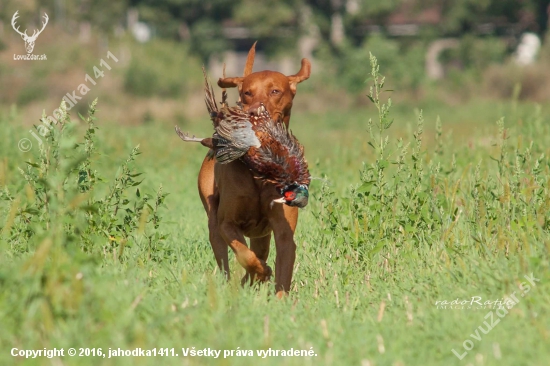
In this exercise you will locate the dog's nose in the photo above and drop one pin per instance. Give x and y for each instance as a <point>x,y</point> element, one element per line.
<point>255,109</point>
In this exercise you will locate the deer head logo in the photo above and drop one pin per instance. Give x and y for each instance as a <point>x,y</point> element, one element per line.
<point>29,40</point>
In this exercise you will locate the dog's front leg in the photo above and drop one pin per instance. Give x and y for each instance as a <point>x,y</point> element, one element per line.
<point>260,247</point>
<point>255,267</point>
<point>211,200</point>
<point>283,220</point>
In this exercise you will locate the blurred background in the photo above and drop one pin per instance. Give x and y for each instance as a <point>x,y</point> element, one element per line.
<point>437,51</point>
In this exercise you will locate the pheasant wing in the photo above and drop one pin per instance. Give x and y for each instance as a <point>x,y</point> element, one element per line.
<point>281,159</point>
<point>234,136</point>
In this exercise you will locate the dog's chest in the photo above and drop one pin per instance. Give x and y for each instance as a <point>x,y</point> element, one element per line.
<point>256,229</point>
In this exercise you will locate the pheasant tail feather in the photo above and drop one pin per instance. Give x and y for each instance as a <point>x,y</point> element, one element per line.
<point>210,98</point>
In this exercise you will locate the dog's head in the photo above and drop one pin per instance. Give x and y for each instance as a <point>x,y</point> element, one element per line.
<point>275,90</point>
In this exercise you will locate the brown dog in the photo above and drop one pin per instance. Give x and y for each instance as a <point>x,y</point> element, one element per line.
<point>238,205</point>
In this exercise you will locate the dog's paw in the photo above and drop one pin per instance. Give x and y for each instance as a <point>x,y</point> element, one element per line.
<point>263,272</point>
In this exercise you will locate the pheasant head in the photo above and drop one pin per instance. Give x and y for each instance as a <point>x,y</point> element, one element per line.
<point>294,195</point>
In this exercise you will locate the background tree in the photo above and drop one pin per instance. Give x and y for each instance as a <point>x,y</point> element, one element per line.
<point>198,21</point>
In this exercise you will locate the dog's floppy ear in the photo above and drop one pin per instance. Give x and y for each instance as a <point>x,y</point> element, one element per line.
<point>238,81</point>
<point>302,75</point>
<point>230,82</point>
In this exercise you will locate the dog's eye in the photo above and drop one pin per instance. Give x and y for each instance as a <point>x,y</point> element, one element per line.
<point>248,93</point>
<point>275,92</point>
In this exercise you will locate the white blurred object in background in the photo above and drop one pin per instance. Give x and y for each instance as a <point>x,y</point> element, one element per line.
<point>528,49</point>
<point>141,31</point>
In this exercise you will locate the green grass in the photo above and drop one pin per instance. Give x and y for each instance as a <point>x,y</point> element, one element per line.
<point>378,245</point>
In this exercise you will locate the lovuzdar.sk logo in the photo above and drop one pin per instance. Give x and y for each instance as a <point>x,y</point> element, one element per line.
<point>29,40</point>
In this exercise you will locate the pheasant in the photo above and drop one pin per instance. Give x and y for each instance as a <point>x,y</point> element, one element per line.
<point>266,147</point>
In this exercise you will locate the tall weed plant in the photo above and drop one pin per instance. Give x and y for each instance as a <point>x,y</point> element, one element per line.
<point>413,201</point>
<point>67,201</point>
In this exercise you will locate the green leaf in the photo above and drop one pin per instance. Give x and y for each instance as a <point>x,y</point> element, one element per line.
<point>377,248</point>
<point>365,187</point>
<point>383,164</point>
<point>422,196</point>
<point>409,228</point>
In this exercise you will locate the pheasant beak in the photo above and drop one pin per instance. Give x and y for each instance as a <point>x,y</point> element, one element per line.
<point>278,200</point>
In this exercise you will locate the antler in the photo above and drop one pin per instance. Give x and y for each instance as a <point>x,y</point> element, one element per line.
<point>35,34</point>
<point>24,34</point>
<point>15,16</point>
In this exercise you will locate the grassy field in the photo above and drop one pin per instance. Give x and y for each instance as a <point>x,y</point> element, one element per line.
<point>457,210</point>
